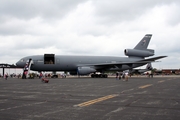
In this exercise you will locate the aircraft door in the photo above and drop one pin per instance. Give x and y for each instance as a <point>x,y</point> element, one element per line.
<point>49,59</point>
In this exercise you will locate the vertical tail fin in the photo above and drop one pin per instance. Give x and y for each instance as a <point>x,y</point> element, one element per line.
<point>143,44</point>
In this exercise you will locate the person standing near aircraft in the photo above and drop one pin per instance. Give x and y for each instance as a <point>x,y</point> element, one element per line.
<point>120,75</point>
<point>117,74</point>
<point>40,75</point>
<point>126,76</point>
<point>6,76</point>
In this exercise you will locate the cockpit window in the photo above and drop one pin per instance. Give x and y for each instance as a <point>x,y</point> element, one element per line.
<point>22,60</point>
<point>27,61</point>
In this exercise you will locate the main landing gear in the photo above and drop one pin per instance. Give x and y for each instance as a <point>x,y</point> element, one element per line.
<point>99,75</point>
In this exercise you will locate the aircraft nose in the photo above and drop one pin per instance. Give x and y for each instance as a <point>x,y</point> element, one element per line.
<point>19,64</point>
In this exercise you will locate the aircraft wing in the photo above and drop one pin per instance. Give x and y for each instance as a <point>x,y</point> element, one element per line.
<point>153,59</point>
<point>114,64</point>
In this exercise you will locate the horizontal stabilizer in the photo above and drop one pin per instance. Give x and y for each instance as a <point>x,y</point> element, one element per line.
<point>153,59</point>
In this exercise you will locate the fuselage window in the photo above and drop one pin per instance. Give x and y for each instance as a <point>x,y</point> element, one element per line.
<point>39,60</point>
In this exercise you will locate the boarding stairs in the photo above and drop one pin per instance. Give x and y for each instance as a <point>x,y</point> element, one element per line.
<point>27,69</point>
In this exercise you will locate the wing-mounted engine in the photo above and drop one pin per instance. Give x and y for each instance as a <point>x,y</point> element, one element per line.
<point>85,70</point>
<point>138,53</point>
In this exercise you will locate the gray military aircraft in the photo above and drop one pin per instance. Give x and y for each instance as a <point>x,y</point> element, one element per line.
<point>84,65</point>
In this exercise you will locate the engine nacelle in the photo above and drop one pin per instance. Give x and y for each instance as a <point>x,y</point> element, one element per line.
<point>139,53</point>
<point>85,70</point>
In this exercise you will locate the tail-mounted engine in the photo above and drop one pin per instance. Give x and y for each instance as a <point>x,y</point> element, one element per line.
<point>139,53</point>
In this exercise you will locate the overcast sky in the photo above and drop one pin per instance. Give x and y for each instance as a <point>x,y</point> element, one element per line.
<point>89,27</point>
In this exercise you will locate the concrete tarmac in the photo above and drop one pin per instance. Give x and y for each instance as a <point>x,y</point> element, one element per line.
<point>140,98</point>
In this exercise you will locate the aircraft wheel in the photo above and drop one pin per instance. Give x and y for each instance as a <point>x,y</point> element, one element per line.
<point>101,75</point>
<point>105,76</point>
<point>92,76</point>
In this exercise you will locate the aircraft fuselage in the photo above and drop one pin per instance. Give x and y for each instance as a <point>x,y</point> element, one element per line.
<point>71,63</point>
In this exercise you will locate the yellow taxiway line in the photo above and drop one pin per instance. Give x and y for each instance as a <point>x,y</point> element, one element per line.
<point>161,81</point>
<point>145,86</point>
<point>96,100</point>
